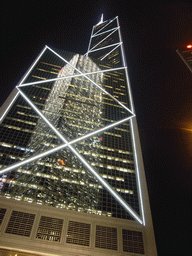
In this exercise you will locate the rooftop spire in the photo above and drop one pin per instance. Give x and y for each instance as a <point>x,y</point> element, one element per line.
<point>101,21</point>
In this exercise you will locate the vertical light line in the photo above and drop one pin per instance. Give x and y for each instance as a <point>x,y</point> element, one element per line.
<point>90,41</point>
<point>132,129</point>
<point>137,170</point>
<point>120,39</point>
<point>126,71</point>
<point>129,89</point>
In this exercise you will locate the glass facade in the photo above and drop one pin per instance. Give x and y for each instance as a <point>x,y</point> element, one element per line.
<point>82,100</point>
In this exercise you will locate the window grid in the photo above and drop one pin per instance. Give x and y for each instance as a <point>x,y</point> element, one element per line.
<point>106,237</point>
<point>50,229</point>
<point>78,233</point>
<point>20,223</point>
<point>78,109</point>
<point>133,241</point>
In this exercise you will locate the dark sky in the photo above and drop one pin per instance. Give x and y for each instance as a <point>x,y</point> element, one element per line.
<point>161,87</point>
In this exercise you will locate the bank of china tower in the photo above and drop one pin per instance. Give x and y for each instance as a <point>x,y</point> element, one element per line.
<point>72,178</point>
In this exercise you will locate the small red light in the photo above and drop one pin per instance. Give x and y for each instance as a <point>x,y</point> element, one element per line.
<point>59,161</point>
<point>189,46</point>
<point>101,138</point>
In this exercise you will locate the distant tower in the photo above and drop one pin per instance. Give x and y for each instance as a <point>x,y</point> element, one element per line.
<point>186,56</point>
<point>70,147</point>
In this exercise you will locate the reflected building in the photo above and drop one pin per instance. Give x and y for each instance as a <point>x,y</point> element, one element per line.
<point>70,156</point>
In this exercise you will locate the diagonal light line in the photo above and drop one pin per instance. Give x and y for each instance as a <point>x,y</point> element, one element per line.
<point>110,51</point>
<point>104,39</point>
<point>137,171</point>
<point>93,82</point>
<point>89,43</point>
<point>72,76</point>
<point>98,49</point>
<point>94,172</point>
<point>105,26</point>
<point>33,64</point>
<point>48,152</point>
<point>103,32</point>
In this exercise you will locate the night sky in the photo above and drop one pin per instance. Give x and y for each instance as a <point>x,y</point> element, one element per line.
<point>161,87</point>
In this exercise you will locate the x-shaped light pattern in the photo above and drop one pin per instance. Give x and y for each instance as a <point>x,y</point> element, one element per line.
<point>69,144</point>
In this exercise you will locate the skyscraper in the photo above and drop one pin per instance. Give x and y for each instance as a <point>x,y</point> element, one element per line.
<point>70,147</point>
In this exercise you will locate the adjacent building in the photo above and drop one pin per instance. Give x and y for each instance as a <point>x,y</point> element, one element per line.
<point>185,54</point>
<point>72,176</point>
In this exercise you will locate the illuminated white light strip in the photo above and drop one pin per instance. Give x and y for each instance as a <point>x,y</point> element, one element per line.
<point>89,42</point>
<point>104,39</point>
<point>33,64</point>
<point>120,38</point>
<point>110,52</point>
<point>98,49</point>
<point>10,105</point>
<point>91,169</point>
<point>137,171</point>
<point>132,108</point>
<point>103,32</point>
<point>105,26</point>
<point>110,189</point>
<point>126,70</point>
<point>42,116</point>
<point>102,181</point>
<point>48,152</point>
<point>101,21</point>
<point>132,129</point>
<point>72,76</point>
<point>129,90</point>
<point>31,159</point>
<point>93,82</point>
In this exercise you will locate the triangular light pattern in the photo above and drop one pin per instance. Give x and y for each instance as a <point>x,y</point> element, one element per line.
<point>78,88</point>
